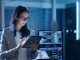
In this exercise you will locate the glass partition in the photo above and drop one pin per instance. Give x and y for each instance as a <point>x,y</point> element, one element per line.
<point>78,20</point>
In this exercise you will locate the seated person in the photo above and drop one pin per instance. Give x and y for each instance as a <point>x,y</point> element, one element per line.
<point>38,53</point>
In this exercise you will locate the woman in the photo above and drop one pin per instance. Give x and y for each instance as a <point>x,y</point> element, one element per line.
<point>14,37</point>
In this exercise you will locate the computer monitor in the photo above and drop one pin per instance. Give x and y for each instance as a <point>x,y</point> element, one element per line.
<point>52,42</point>
<point>51,36</point>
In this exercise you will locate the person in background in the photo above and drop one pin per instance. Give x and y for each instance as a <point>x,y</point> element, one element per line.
<point>38,53</point>
<point>14,37</point>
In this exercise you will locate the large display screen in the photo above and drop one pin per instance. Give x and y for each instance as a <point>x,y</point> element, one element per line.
<point>51,37</point>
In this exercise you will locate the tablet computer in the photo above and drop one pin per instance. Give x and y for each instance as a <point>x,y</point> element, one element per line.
<point>32,38</point>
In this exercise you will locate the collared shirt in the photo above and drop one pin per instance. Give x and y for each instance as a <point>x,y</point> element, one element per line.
<point>41,55</point>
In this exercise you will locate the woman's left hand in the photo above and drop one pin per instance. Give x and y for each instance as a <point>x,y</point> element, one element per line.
<point>33,45</point>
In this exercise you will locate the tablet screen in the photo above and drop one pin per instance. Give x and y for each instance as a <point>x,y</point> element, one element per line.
<point>32,38</point>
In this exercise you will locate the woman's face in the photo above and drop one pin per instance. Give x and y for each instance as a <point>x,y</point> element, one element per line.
<point>22,19</point>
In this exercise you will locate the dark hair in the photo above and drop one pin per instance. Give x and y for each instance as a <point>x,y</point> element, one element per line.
<point>24,30</point>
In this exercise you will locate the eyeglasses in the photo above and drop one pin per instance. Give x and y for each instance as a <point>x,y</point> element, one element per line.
<point>25,19</point>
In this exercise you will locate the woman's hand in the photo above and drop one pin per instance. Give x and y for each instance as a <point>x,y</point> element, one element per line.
<point>20,44</point>
<point>33,45</point>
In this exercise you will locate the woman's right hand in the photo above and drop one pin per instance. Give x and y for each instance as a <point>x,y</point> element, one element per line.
<point>20,44</point>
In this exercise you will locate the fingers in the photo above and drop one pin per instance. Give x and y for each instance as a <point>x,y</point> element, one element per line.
<point>32,42</point>
<point>33,45</point>
<point>22,43</point>
<point>21,40</point>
